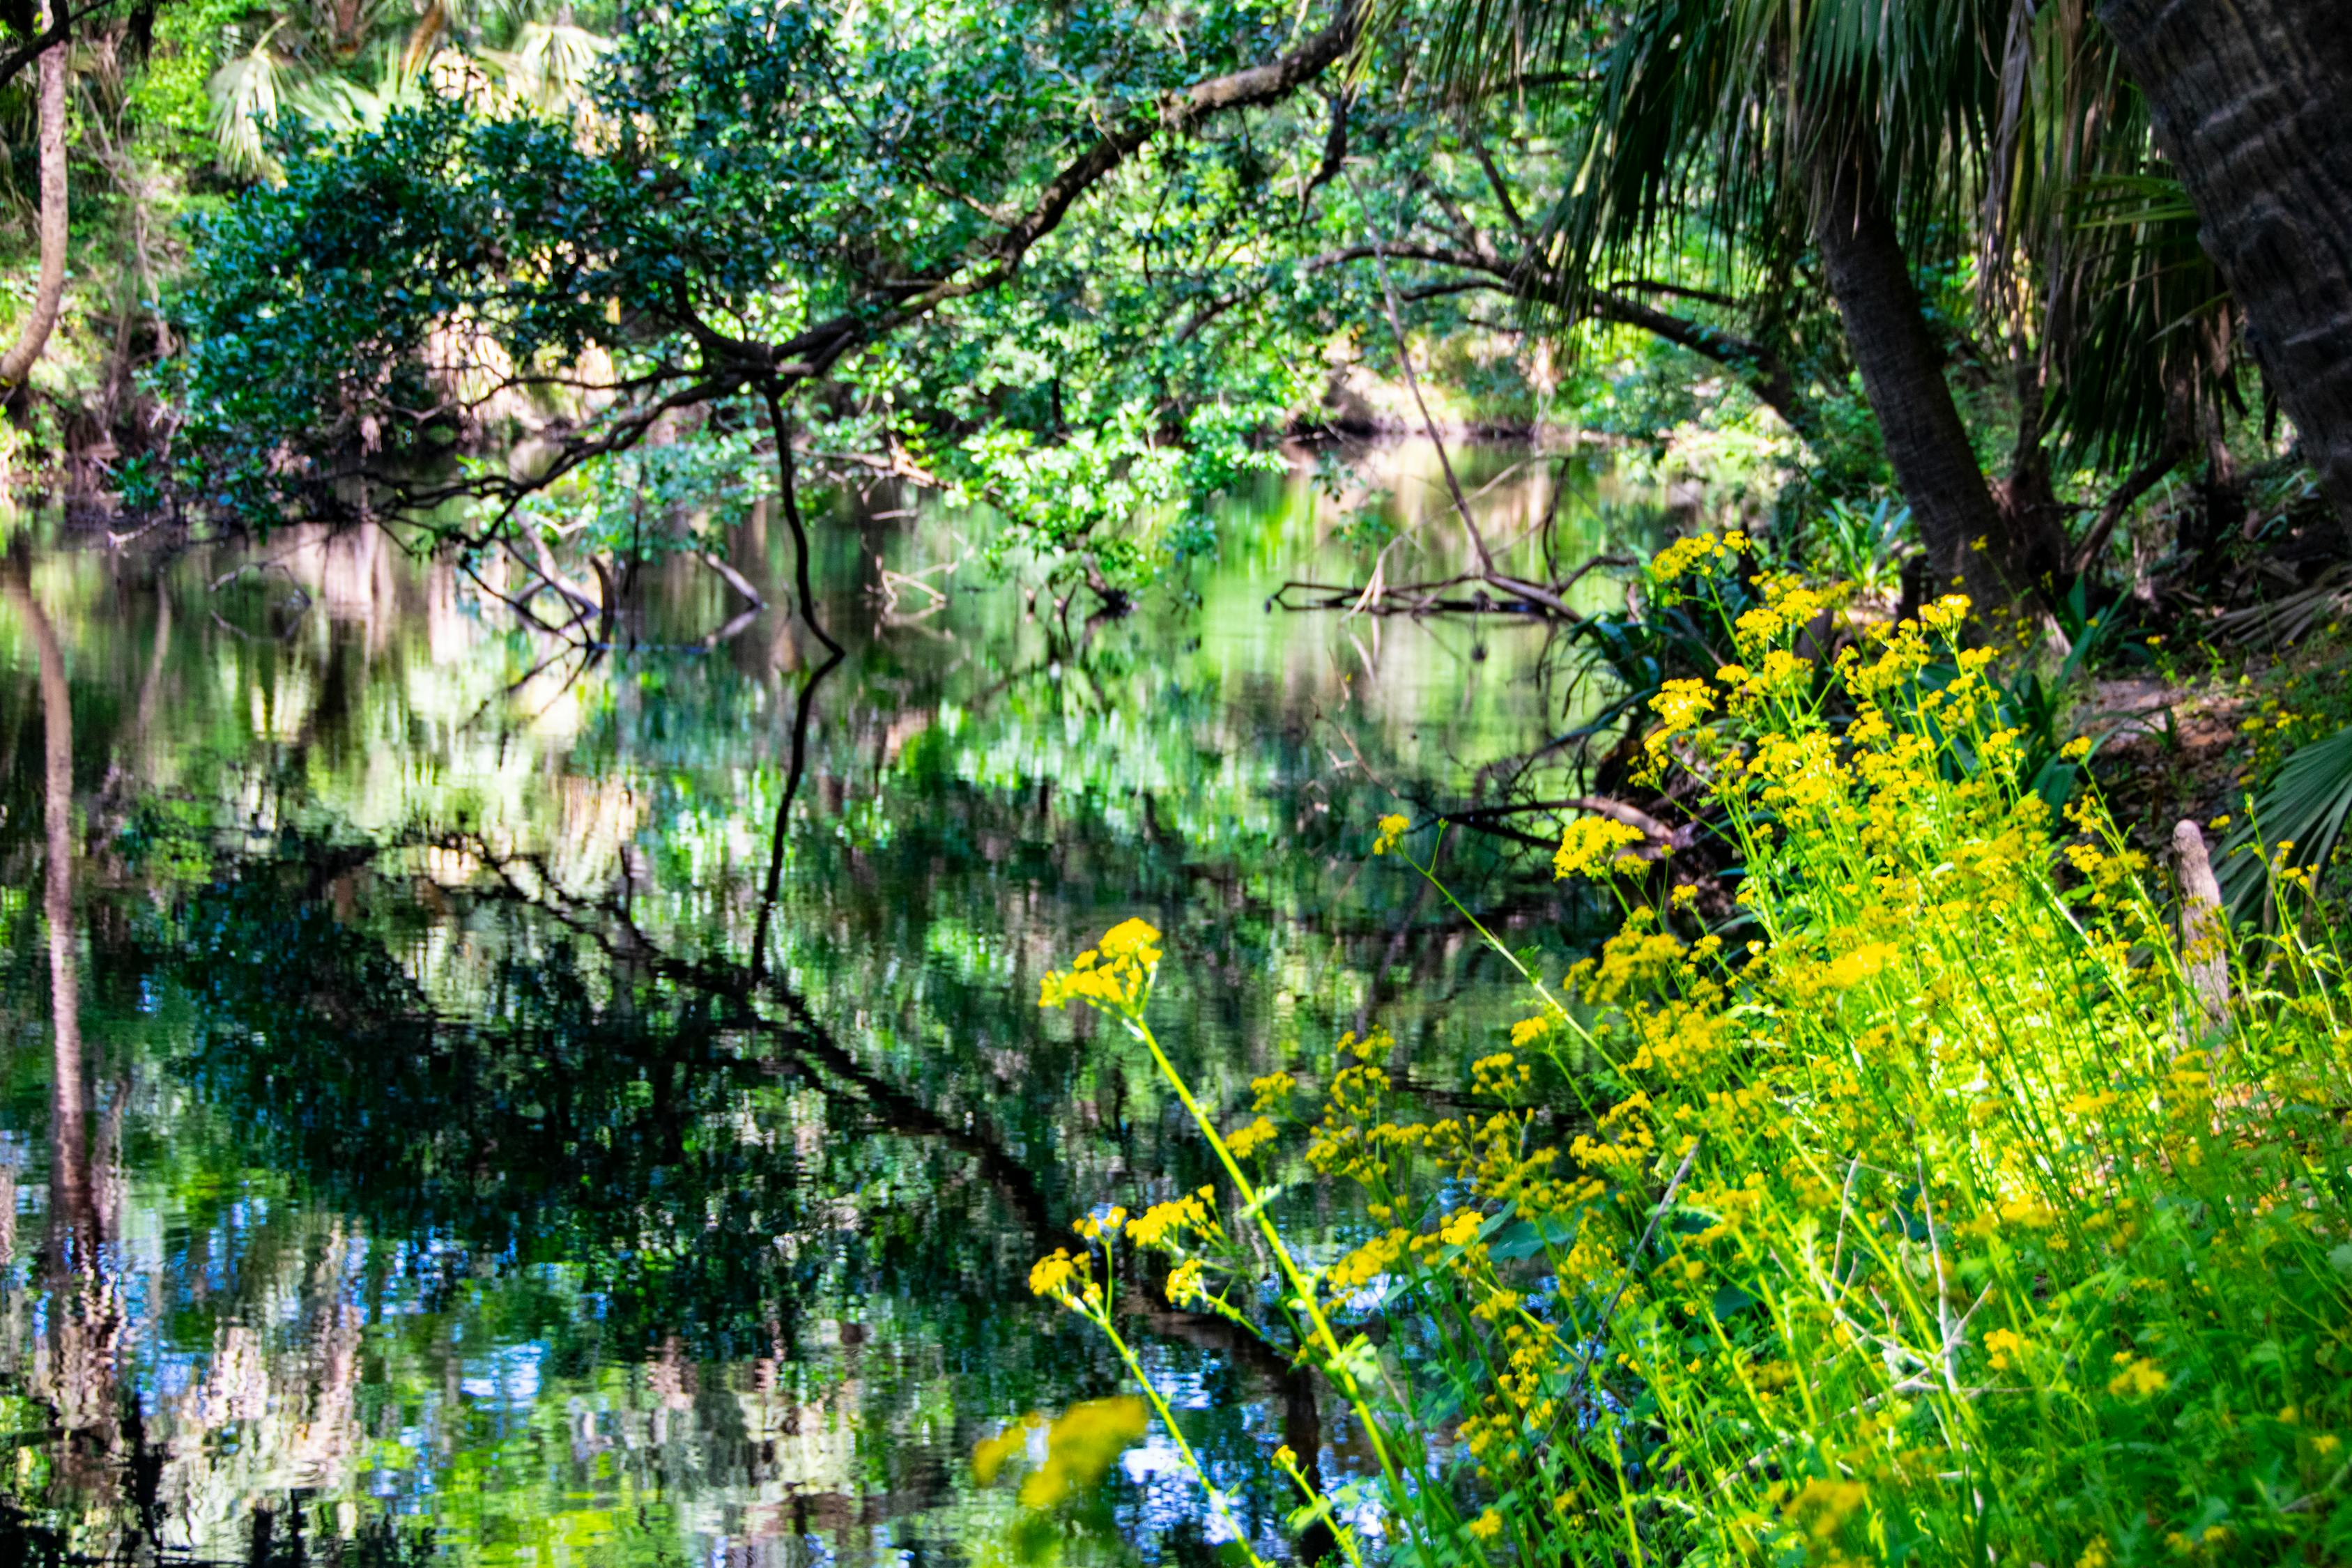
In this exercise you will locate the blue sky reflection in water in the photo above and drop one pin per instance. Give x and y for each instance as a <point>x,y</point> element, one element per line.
<point>445,1186</point>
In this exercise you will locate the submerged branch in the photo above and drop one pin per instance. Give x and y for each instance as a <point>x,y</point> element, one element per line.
<point>1380,597</point>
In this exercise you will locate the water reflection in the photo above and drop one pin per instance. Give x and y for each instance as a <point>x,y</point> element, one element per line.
<point>451,1112</point>
<point>74,1364</point>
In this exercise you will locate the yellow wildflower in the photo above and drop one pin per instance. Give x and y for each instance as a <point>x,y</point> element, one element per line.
<point>1757,627</point>
<point>1850,970</point>
<point>1592,847</point>
<point>1679,706</point>
<point>1487,1525</point>
<point>1162,1224</point>
<point>1116,977</point>
<point>1392,827</point>
<point>1186,1282</point>
<point>1687,555</point>
<point>1781,667</point>
<point>2139,1377</point>
<point>1247,1141</point>
<point>1271,1091</point>
<point>1054,1277</point>
<point>1825,1506</point>
<point>1946,614</point>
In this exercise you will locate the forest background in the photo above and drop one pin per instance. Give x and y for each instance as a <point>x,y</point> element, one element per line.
<point>1088,264</point>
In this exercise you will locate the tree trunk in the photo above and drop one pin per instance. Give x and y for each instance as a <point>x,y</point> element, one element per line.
<point>50,290</point>
<point>2253,102</point>
<point>1903,374</point>
<point>2032,546</point>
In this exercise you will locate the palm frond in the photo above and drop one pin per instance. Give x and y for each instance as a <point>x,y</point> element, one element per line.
<point>2296,822</point>
<point>247,94</point>
<point>342,104</point>
<point>551,64</point>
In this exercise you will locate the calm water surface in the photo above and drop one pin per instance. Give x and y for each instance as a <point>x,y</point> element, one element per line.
<point>404,1159</point>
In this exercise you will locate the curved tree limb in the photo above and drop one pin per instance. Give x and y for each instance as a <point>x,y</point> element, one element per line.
<point>52,32</point>
<point>731,362</point>
<point>48,291</point>
<point>1763,372</point>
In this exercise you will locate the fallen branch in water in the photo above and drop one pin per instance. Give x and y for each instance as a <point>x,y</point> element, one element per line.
<point>732,578</point>
<point>1490,593</point>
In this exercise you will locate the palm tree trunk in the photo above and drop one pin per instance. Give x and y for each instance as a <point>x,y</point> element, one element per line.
<point>1903,374</point>
<point>2253,102</point>
<point>51,287</point>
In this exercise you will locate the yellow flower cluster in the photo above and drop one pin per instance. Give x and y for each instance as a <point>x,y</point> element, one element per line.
<point>1115,977</point>
<point>1502,1075</point>
<point>1272,1092</point>
<point>1392,827</point>
<point>1678,708</point>
<point>2138,1377</point>
<point>1162,1226</point>
<point>1062,1277</point>
<point>1365,1265</point>
<point>1248,1140</point>
<point>1789,607</point>
<point>1595,847</point>
<point>1698,551</point>
<point>1187,1283</point>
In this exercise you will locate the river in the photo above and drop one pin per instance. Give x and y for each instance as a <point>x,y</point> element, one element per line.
<point>424,1138</point>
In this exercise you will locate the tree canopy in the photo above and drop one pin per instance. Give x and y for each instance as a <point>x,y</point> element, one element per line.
<point>1082,262</point>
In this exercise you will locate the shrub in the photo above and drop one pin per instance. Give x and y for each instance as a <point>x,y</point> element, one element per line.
<point>1933,1212</point>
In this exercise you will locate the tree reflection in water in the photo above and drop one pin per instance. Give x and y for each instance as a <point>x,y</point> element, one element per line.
<point>442,1178</point>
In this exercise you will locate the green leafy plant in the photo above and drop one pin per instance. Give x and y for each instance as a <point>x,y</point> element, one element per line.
<point>1957,1215</point>
<point>1865,548</point>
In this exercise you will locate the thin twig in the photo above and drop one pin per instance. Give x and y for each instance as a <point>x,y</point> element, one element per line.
<point>1413,385</point>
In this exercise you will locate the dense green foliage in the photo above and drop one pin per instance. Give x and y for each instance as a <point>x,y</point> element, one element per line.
<point>748,197</point>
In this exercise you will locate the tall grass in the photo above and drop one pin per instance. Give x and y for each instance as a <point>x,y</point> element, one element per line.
<point>1931,1212</point>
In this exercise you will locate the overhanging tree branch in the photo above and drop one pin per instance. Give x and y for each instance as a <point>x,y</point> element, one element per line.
<point>57,29</point>
<point>731,362</point>
<point>1758,368</point>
